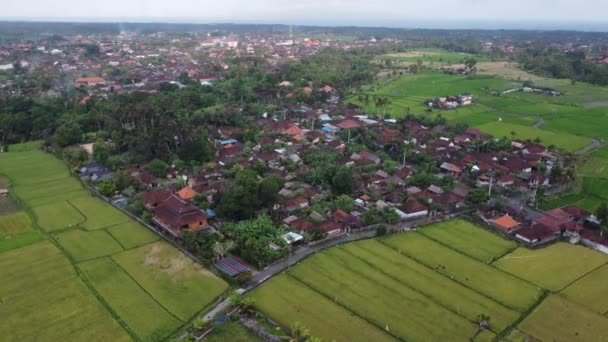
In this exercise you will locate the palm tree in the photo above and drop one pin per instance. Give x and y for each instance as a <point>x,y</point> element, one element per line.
<point>297,333</point>
<point>221,248</point>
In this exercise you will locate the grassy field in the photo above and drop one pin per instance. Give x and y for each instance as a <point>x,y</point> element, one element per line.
<point>83,245</point>
<point>502,287</point>
<point>26,146</point>
<point>142,314</point>
<point>591,291</point>
<point>233,332</point>
<point>552,267</point>
<point>131,235</point>
<point>469,239</point>
<point>380,299</point>
<point>42,299</point>
<point>14,224</point>
<point>439,288</point>
<point>562,140</point>
<point>58,216</point>
<point>287,300</point>
<point>99,214</point>
<point>558,319</point>
<point>174,280</point>
<point>145,288</point>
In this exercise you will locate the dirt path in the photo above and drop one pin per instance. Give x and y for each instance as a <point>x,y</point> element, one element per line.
<point>595,144</point>
<point>539,124</point>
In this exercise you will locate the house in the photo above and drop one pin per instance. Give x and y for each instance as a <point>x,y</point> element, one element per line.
<point>153,198</point>
<point>187,193</point>
<point>414,210</point>
<point>535,234</point>
<point>175,215</point>
<point>292,238</point>
<point>89,82</point>
<point>95,172</point>
<point>506,223</point>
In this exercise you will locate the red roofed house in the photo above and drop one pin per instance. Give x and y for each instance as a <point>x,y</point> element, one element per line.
<point>153,198</point>
<point>176,215</point>
<point>414,210</point>
<point>187,193</point>
<point>89,81</point>
<point>506,223</point>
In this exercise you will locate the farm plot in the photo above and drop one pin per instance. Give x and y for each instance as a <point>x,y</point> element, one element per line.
<point>380,299</point>
<point>439,288</point>
<point>558,319</point>
<point>552,267</point>
<point>142,314</point>
<point>494,283</point>
<point>132,234</point>
<point>83,245</point>
<point>469,239</point>
<point>99,214</point>
<point>287,300</point>
<point>42,299</point>
<point>591,291</point>
<point>565,141</point>
<point>174,280</point>
<point>14,224</point>
<point>57,216</point>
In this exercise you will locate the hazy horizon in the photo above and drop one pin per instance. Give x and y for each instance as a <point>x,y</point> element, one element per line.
<point>585,15</point>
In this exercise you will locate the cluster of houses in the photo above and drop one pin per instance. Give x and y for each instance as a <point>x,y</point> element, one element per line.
<point>141,62</point>
<point>451,101</point>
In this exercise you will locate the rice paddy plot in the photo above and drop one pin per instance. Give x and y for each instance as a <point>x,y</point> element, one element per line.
<point>99,214</point>
<point>14,224</point>
<point>564,141</point>
<point>591,290</point>
<point>141,313</point>
<point>494,283</point>
<point>439,288</point>
<point>469,239</point>
<point>84,245</point>
<point>57,216</point>
<point>558,319</point>
<point>174,280</point>
<point>132,234</point>
<point>42,299</point>
<point>287,300</point>
<point>553,267</point>
<point>380,299</point>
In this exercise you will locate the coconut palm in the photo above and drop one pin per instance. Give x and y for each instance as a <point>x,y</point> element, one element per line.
<point>221,248</point>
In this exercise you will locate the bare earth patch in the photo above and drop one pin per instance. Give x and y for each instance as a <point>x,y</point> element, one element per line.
<point>176,264</point>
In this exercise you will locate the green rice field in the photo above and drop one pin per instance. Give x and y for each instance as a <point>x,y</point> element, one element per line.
<point>79,269</point>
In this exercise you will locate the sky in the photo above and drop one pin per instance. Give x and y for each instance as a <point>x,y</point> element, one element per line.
<point>567,14</point>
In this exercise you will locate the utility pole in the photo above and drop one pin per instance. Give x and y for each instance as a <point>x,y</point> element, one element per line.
<point>404,154</point>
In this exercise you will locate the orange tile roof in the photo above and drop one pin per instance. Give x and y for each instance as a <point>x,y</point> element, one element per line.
<point>506,222</point>
<point>187,193</point>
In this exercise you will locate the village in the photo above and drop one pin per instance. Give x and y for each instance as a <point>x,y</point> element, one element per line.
<point>382,173</point>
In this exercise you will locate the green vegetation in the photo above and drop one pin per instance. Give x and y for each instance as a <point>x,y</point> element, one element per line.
<point>179,284</point>
<point>469,239</point>
<point>146,293</point>
<point>26,146</point>
<point>13,224</point>
<point>83,245</point>
<point>41,297</point>
<point>591,290</point>
<point>287,300</point>
<point>502,287</point>
<point>98,213</point>
<point>142,314</point>
<point>233,332</point>
<point>131,235</point>
<point>58,216</point>
<point>566,141</point>
<point>552,267</point>
<point>439,288</point>
<point>558,319</point>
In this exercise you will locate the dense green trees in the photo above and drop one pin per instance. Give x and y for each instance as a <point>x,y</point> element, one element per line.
<point>245,194</point>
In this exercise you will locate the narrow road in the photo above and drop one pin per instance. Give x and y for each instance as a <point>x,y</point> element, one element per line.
<point>539,124</point>
<point>595,144</point>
